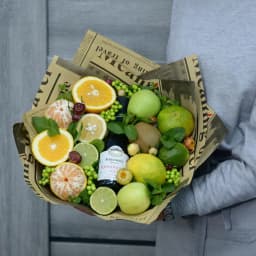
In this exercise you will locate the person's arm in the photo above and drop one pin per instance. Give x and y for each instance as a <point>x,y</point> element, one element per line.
<point>232,182</point>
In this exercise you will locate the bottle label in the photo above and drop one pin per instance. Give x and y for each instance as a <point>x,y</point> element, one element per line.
<point>110,162</point>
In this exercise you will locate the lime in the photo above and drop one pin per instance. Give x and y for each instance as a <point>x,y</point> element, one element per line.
<point>176,156</point>
<point>175,116</point>
<point>88,152</point>
<point>103,200</point>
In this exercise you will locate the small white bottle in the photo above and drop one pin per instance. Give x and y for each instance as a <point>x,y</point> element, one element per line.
<point>111,160</point>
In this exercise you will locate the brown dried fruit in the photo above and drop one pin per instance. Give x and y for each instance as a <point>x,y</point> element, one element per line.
<point>148,136</point>
<point>189,143</point>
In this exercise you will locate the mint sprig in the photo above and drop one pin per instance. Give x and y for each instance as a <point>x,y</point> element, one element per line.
<point>99,144</point>
<point>121,128</point>
<point>172,136</point>
<point>159,192</point>
<point>64,93</point>
<point>74,131</point>
<point>41,123</point>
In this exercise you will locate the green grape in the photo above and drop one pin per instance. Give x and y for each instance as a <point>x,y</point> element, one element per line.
<point>46,173</point>
<point>92,177</point>
<point>173,176</point>
<point>124,89</point>
<point>110,114</point>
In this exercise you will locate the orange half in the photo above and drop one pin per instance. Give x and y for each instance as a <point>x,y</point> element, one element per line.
<point>51,151</point>
<point>95,93</point>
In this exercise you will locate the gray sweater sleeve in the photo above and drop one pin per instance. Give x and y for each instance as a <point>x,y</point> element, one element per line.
<point>233,181</point>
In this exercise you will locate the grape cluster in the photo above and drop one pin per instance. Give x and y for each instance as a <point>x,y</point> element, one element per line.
<point>46,173</point>
<point>91,177</point>
<point>173,176</point>
<point>110,114</point>
<point>124,89</point>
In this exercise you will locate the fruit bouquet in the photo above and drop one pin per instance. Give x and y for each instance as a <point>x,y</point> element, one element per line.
<point>147,137</point>
<point>110,144</point>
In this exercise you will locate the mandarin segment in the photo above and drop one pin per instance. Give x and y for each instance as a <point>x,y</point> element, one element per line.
<point>68,181</point>
<point>95,93</point>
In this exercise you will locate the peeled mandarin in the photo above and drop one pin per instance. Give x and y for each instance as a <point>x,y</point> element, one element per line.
<point>60,111</point>
<point>67,181</point>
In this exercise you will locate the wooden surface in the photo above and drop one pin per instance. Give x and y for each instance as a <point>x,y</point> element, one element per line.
<point>32,31</point>
<point>23,217</point>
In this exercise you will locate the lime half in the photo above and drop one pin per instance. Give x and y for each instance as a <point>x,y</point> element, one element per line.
<point>103,200</point>
<point>88,152</point>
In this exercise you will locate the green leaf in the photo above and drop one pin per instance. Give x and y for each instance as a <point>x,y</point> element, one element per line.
<point>151,185</point>
<point>85,197</point>
<point>40,123</point>
<point>62,87</point>
<point>129,118</point>
<point>99,144</point>
<point>64,93</point>
<point>53,128</point>
<point>75,200</point>
<point>168,187</point>
<point>116,127</point>
<point>131,132</point>
<point>158,199</point>
<point>166,102</point>
<point>172,136</point>
<point>177,133</point>
<point>168,143</point>
<point>157,190</point>
<point>72,129</point>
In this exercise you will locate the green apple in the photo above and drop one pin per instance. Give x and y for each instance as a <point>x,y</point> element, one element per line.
<point>144,104</point>
<point>133,198</point>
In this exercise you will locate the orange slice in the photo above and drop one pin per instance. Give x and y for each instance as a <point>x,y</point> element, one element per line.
<point>68,180</point>
<point>51,151</point>
<point>93,127</point>
<point>95,93</point>
<point>60,111</point>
